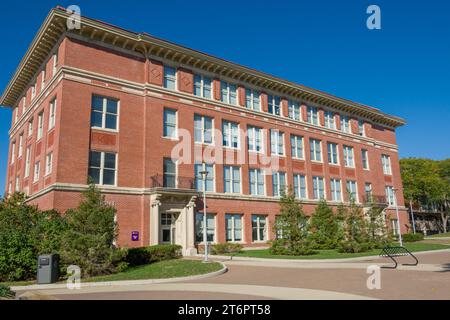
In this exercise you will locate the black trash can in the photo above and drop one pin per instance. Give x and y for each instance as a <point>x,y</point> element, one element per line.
<point>48,268</point>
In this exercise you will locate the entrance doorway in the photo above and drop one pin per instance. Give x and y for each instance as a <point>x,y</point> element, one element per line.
<point>168,227</point>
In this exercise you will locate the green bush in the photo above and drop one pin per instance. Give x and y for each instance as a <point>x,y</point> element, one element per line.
<point>6,292</point>
<point>222,248</point>
<point>147,255</point>
<point>326,227</point>
<point>413,237</point>
<point>283,247</point>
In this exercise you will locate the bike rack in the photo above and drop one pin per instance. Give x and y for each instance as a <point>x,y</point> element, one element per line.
<point>393,252</point>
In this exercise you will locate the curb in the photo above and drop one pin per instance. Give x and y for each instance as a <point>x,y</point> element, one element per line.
<point>123,283</point>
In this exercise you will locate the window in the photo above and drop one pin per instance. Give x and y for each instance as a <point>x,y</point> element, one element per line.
<point>16,115</point>
<point>232,179</point>
<point>24,103</point>
<point>252,99</point>
<point>318,188</point>
<point>349,159</point>
<point>230,132</point>
<point>336,193</point>
<point>297,147</point>
<point>170,78</point>
<point>40,125</point>
<point>27,162</point>
<point>365,159</point>
<point>279,184</point>
<point>17,186</point>
<point>333,157</point>
<point>368,191</point>
<point>49,163</point>
<point>51,119</point>
<point>37,170</point>
<point>315,150</point>
<point>313,116</point>
<point>30,128</point>
<point>329,120</point>
<point>256,178</point>
<point>259,232</point>
<point>390,196</point>
<point>13,152</point>
<point>10,187</point>
<point>20,145</point>
<point>254,138</point>
<point>202,86</point>
<point>352,190</point>
<point>276,142</point>
<point>294,110</point>
<point>300,186</point>
<point>42,80</point>
<point>55,64</point>
<point>169,173</point>
<point>233,225</point>
<point>274,105</point>
<point>228,93</point>
<point>361,128</point>
<point>104,113</point>
<point>210,227</point>
<point>199,181</point>
<point>170,123</point>
<point>203,129</point>
<point>33,91</point>
<point>345,124</point>
<point>386,162</point>
<point>102,168</point>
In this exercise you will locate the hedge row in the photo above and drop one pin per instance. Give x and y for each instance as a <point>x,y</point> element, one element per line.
<point>146,255</point>
<point>413,237</point>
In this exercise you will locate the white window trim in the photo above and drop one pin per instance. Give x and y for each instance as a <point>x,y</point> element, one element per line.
<point>318,188</point>
<point>279,136</point>
<point>49,163</point>
<point>310,115</point>
<point>327,120</point>
<point>176,138</point>
<point>387,168</point>
<point>30,127</point>
<point>37,171</point>
<point>333,183</point>
<point>166,77</point>
<point>102,167</point>
<point>233,216</point>
<point>278,173</point>
<point>252,99</point>
<point>292,105</point>
<point>258,227</point>
<point>104,112</point>
<point>296,138</point>
<point>228,93</point>
<point>257,182</point>
<point>232,180</point>
<point>202,117</point>
<point>55,64</point>
<point>52,114</point>
<point>343,128</point>
<point>27,162</point>
<point>337,154</point>
<point>313,145</point>
<point>204,164</point>
<point>365,151</point>
<point>230,136</point>
<point>20,149</point>
<point>297,177</point>
<point>347,157</point>
<point>202,86</point>
<point>215,227</point>
<point>255,129</point>
<point>13,152</point>
<point>40,129</point>
<point>274,98</point>
<point>350,191</point>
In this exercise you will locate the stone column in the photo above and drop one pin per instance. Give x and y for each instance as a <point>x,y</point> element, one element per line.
<point>190,249</point>
<point>154,219</point>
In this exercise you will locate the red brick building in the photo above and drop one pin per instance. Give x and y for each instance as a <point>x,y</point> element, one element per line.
<point>119,106</point>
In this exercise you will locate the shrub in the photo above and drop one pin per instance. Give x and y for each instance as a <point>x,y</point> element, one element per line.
<point>413,237</point>
<point>325,227</point>
<point>147,255</point>
<point>6,292</point>
<point>356,238</point>
<point>222,248</point>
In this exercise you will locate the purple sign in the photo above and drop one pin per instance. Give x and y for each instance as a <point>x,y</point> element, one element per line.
<point>135,236</point>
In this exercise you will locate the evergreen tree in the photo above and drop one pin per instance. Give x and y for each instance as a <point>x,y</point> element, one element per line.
<point>355,230</point>
<point>326,227</point>
<point>376,227</point>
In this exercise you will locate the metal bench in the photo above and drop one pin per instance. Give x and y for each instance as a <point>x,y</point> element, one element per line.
<point>395,252</point>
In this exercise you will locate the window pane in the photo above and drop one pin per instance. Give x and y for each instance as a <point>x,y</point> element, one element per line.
<point>94,159</point>
<point>111,121</point>
<point>111,106</point>
<point>95,175</point>
<point>97,103</point>
<point>110,160</point>
<point>109,177</point>
<point>96,119</point>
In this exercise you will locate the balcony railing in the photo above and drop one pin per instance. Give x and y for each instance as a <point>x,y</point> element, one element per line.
<point>172,182</point>
<point>369,198</point>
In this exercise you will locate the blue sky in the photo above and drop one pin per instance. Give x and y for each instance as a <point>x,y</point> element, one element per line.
<point>402,69</point>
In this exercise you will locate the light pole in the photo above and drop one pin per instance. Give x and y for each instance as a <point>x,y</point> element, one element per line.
<point>398,218</point>
<point>205,237</point>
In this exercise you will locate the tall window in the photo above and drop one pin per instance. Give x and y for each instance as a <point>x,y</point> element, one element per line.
<point>368,191</point>
<point>210,227</point>
<point>252,99</point>
<point>254,138</point>
<point>55,64</point>
<point>169,173</point>
<point>313,115</point>
<point>202,86</point>
<point>256,178</point>
<point>102,167</point>
<point>40,125</point>
<point>345,124</point>
<point>228,93</point>
<point>33,91</point>
<point>318,188</point>
<point>349,158</point>
<point>104,112</point>
<point>19,154</point>
<point>365,159</point>
<point>13,152</point>
<point>294,110</point>
<point>37,171</point>
<point>361,128</point>
<point>170,78</point>
<point>297,147</point>
<point>17,184</point>
<point>233,225</point>
<point>335,187</point>
<point>329,120</point>
<point>42,79</point>
<point>49,163</point>
<point>16,114</point>
<point>232,179</point>
<point>203,129</point>
<point>386,162</point>
<point>274,103</point>
<point>52,114</point>
<point>230,131</point>
<point>199,178</point>
<point>333,157</point>
<point>27,162</point>
<point>315,150</point>
<point>170,123</point>
<point>390,195</point>
<point>30,128</point>
<point>259,232</point>
<point>276,142</point>
<point>352,190</point>
<point>300,186</point>
<point>279,184</point>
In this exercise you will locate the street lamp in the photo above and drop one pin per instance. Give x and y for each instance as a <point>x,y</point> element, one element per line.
<point>398,218</point>
<point>205,237</point>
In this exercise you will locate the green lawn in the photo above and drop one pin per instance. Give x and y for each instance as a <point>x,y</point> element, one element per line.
<point>333,254</point>
<point>440,235</point>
